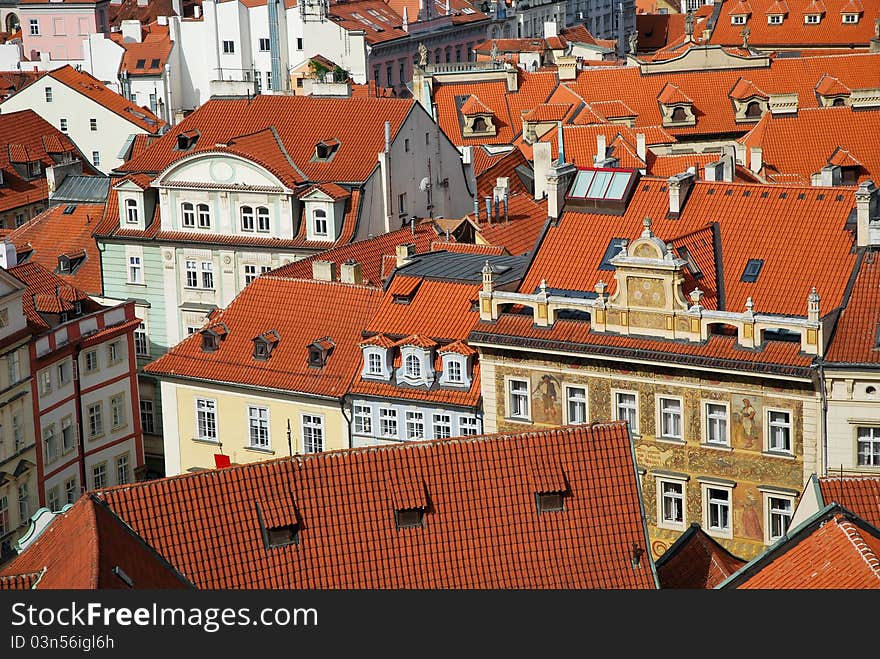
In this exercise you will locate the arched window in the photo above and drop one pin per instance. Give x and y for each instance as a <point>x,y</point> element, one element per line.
<point>131,211</point>
<point>753,110</point>
<point>247,218</point>
<point>479,125</point>
<point>263,219</point>
<point>413,367</point>
<point>204,216</point>
<point>679,114</point>
<point>839,102</point>
<point>320,222</point>
<point>189,214</point>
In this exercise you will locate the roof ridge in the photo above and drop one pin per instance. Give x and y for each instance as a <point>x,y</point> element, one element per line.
<point>401,446</point>
<point>271,277</point>
<point>855,537</point>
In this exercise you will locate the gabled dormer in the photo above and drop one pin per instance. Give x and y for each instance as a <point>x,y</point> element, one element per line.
<point>212,335</point>
<point>477,119</point>
<point>320,351</point>
<point>69,263</point>
<point>416,361</point>
<point>326,150</point>
<point>740,13</point>
<point>676,108</point>
<point>456,365</point>
<point>851,13</point>
<point>378,355</point>
<point>137,201</point>
<point>749,101</point>
<point>831,92</point>
<point>777,12</point>
<point>186,140</point>
<point>324,211</point>
<point>814,12</point>
<point>265,344</point>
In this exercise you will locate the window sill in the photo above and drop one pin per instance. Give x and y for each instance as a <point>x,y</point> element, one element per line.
<point>259,449</point>
<point>136,283</point>
<point>671,440</point>
<point>115,428</point>
<point>521,420</point>
<point>717,447</point>
<point>785,455</point>
<point>677,526</point>
<point>94,438</point>
<point>725,535</point>
<point>212,442</point>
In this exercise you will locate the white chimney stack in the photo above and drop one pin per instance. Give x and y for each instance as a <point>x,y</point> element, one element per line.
<point>324,270</point>
<point>542,156</point>
<point>601,147</point>
<point>131,31</point>
<point>679,187</point>
<point>351,273</point>
<point>866,210</point>
<point>641,146</point>
<point>404,253</point>
<point>755,159</point>
<point>8,256</point>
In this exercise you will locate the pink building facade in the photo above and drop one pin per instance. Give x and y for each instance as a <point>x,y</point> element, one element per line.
<point>58,29</point>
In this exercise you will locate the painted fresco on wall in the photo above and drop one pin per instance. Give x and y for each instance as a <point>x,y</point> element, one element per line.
<point>747,514</point>
<point>746,428</point>
<point>546,399</point>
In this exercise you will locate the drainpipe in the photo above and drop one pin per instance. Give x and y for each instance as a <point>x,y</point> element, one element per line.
<point>347,419</point>
<point>824,426</point>
<point>81,444</point>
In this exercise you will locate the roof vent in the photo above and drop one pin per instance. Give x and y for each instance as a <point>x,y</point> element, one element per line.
<point>550,487</point>
<point>410,502</point>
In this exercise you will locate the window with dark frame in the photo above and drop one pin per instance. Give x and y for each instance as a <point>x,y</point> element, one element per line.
<point>549,502</point>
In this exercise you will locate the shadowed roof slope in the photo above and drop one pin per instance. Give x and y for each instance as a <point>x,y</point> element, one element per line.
<point>481,527</point>
<point>696,560</point>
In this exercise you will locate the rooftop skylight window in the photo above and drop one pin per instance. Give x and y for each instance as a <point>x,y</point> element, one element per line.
<point>600,184</point>
<point>613,250</point>
<point>753,269</point>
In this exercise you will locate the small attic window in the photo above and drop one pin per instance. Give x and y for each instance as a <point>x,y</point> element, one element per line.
<point>281,536</point>
<point>692,266</point>
<point>319,352</point>
<point>209,342</point>
<point>409,517</point>
<point>69,209</point>
<point>550,502</point>
<point>264,344</point>
<point>187,139</point>
<point>63,264</point>
<point>753,269</point>
<point>141,63</point>
<point>326,149</point>
<point>154,64</point>
<point>679,114</point>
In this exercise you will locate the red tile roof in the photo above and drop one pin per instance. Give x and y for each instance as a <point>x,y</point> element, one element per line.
<point>710,89</point>
<point>54,232</point>
<point>696,561</point>
<point>656,30</point>
<point>83,547</point>
<point>483,160</point>
<point>95,90</point>
<point>548,112</point>
<point>804,143</point>
<point>858,494</point>
<point>311,310</point>
<point>280,132</point>
<point>671,94</point>
<point>834,550</point>
<point>474,106</point>
<point>46,292</point>
<point>19,581</point>
<point>745,89</point>
<point>436,394</point>
<point>148,57</point>
<point>754,222</point>
<point>831,86</point>
<point>25,136</point>
<point>794,32</point>
<point>482,529</point>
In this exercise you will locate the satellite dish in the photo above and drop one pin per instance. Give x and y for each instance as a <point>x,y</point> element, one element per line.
<point>424,184</point>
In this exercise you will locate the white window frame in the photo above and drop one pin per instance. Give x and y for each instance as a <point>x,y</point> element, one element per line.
<point>708,416</point>
<point>414,420</point>
<point>771,425</point>
<point>207,279</point>
<point>118,417</point>
<point>70,490</point>
<point>680,481</point>
<point>615,396</point>
<point>387,417</point>
<point>121,461</point>
<point>90,360</point>
<point>812,19</point>
<point>738,19</point>
<point>95,422</point>
<point>188,215</point>
<point>114,352</point>
<point>50,442</point>
<point>259,430</point>
<point>579,400</point>
<point>34,27</point>
<point>62,125</point>
<point>147,411</point>
<point>362,417</point>
<point>192,273</point>
<point>441,425</point>
<point>708,500</point>
<point>850,19</point>
<point>312,424</point>
<point>454,369</point>
<point>370,363</point>
<point>412,366</point>
<point>246,214</point>
<point>96,158</point>
<point>661,435</point>
<point>103,467</point>
<point>131,211</point>
<point>770,496</point>
<point>203,216</point>
<point>264,220</point>
<point>53,500</point>
<point>872,440</point>
<point>320,222</point>
<point>228,47</point>
<point>206,417</point>
<point>67,424</point>
<point>135,269</point>
<point>526,394</point>
<point>468,425</point>
<point>142,340</point>
<point>45,382</point>
<point>774,19</point>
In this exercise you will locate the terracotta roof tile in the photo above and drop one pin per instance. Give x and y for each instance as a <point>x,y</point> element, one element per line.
<point>459,348</point>
<point>744,89</point>
<point>332,190</point>
<point>55,232</point>
<point>474,106</point>
<point>696,561</point>
<point>83,547</point>
<point>481,498</point>
<point>46,292</point>
<point>548,112</point>
<point>656,30</point>
<point>794,32</point>
<point>435,394</point>
<point>831,86</point>
<point>859,494</point>
<point>671,94</point>
<point>344,310</point>
<point>25,581</point>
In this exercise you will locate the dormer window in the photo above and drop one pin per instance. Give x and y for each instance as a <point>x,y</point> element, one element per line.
<point>413,367</point>
<point>279,521</point>
<point>281,536</point>
<point>319,352</point>
<point>209,342</point>
<point>325,150</point>
<point>738,19</point>
<point>812,19</point>
<point>775,19</point>
<point>454,372</point>
<point>131,211</point>
<point>212,335</point>
<point>320,218</point>
<point>374,364</point>
<point>187,140</point>
<point>754,110</point>
<point>850,19</point>
<point>35,169</point>
<point>679,114</point>
<point>63,264</point>
<point>264,344</point>
<point>410,501</point>
<point>456,364</point>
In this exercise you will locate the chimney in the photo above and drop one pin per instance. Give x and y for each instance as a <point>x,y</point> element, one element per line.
<point>143,3</point>
<point>542,155</point>
<point>550,29</point>
<point>679,187</point>
<point>131,30</point>
<point>714,171</point>
<point>830,175</point>
<point>601,148</point>
<point>866,210</point>
<point>324,270</point>
<point>351,273</point>
<point>488,202</point>
<point>641,146</point>
<point>404,253</point>
<point>755,159</point>
<point>476,209</point>
<point>8,257</point>
<point>501,188</point>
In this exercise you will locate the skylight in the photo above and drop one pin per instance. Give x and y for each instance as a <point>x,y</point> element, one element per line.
<point>69,209</point>
<point>685,253</point>
<point>612,251</point>
<point>140,64</point>
<point>600,184</point>
<point>753,269</point>
<point>154,64</point>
